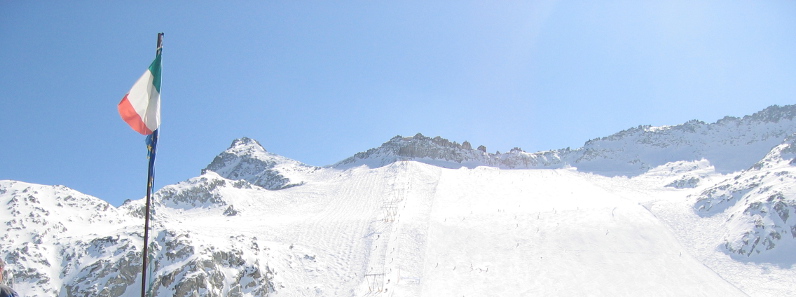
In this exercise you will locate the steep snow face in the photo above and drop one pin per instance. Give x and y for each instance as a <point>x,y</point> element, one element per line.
<point>186,259</point>
<point>206,191</point>
<point>57,239</point>
<point>731,144</point>
<point>247,160</point>
<point>761,206</point>
<point>59,242</point>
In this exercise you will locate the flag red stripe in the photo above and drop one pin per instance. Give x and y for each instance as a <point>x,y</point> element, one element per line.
<point>132,118</point>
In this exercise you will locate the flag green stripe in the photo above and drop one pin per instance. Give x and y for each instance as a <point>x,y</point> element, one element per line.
<point>155,69</point>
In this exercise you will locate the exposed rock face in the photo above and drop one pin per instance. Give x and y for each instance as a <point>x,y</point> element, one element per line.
<point>442,152</point>
<point>685,182</point>
<point>208,271</point>
<point>760,203</point>
<point>730,144</point>
<point>247,160</point>
<point>205,192</point>
<point>95,249</point>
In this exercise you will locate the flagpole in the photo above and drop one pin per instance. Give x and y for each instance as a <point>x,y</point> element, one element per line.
<point>151,141</point>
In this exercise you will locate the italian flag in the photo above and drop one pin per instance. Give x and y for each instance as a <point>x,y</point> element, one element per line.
<point>140,108</point>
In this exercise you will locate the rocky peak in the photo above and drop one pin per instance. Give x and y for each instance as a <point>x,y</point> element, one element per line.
<point>436,150</point>
<point>245,145</point>
<point>246,159</point>
<point>774,114</point>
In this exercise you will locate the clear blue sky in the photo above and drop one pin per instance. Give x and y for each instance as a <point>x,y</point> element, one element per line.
<point>318,81</point>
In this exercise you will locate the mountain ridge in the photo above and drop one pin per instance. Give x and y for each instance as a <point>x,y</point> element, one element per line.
<point>254,223</point>
<point>608,155</point>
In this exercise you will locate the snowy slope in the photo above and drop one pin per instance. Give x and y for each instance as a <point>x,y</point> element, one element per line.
<point>407,229</point>
<point>698,210</point>
<point>539,236</point>
<point>55,235</point>
<point>760,202</point>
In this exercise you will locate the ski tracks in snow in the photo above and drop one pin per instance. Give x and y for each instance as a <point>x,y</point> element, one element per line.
<point>395,265</point>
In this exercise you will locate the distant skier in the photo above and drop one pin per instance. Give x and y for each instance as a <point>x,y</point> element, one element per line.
<point>5,291</point>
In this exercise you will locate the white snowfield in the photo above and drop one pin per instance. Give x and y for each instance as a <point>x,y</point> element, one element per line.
<point>412,229</point>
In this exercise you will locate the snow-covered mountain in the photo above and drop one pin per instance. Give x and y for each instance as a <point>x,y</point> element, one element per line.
<point>56,235</point>
<point>760,202</point>
<point>688,210</point>
<point>247,160</point>
<point>730,144</point>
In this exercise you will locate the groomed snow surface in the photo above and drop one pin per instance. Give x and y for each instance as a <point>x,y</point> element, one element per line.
<point>412,229</point>
<point>405,229</point>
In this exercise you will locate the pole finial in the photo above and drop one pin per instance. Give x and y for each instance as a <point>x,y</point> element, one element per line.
<point>160,42</point>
